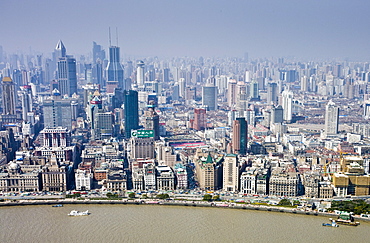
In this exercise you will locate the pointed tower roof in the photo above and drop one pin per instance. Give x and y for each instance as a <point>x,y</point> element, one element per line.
<point>209,159</point>
<point>60,46</point>
<point>61,49</point>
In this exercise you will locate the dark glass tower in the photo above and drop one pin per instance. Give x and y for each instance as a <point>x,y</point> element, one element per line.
<point>240,136</point>
<point>67,78</point>
<point>115,69</point>
<point>131,111</point>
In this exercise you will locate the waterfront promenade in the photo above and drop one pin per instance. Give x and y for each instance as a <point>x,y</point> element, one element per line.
<point>229,205</point>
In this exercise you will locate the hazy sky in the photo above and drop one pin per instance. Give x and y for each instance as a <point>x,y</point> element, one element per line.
<point>263,28</point>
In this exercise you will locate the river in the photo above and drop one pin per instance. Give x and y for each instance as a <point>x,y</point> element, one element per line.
<point>154,223</point>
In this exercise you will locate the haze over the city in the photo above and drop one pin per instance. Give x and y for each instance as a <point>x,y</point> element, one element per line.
<point>312,29</point>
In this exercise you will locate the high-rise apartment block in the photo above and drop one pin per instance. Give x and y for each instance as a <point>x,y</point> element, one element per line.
<point>331,118</point>
<point>200,119</point>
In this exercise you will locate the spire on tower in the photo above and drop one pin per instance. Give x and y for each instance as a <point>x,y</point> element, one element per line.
<point>61,49</point>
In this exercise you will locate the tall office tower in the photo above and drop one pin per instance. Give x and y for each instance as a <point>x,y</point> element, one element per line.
<point>250,115</point>
<point>97,73</point>
<point>26,99</point>
<point>98,52</point>
<point>129,70</point>
<point>182,85</point>
<point>140,78</point>
<point>277,113</point>
<point>60,51</point>
<point>331,118</point>
<point>67,77</point>
<point>57,111</point>
<point>8,89</point>
<point>200,119</point>
<point>272,93</point>
<point>254,92</point>
<point>131,107</point>
<point>115,75</point>
<point>152,120</point>
<point>17,77</point>
<point>103,127</point>
<point>230,173</point>
<point>248,76</point>
<point>94,107</point>
<point>231,93</point>
<point>88,73</point>
<point>209,97</point>
<point>287,103</point>
<point>240,136</point>
<point>166,75</point>
<point>241,96</point>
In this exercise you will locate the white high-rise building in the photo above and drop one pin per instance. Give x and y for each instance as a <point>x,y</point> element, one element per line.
<point>231,93</point>
<point>140,78</point>
<point>331,118</point>
<point>230,173</point>
<point>287,98</point>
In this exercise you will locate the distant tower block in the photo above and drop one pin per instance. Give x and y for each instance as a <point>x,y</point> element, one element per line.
<point>331,118</point>
<point>140,79</point>
<point>8,96</point>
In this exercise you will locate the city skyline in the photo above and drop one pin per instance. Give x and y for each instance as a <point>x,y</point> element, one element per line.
<point>308,30</point>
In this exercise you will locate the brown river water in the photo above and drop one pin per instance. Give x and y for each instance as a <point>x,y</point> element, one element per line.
<point>154,223</point>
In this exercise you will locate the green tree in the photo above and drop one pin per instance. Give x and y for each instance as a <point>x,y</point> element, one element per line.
<point>285,202</point>
<point>296,202</point>
<point>216,198</point>
<point>207,197</point>
<point>131,195</point>
<point>163,196</point>
<point>144,196</point>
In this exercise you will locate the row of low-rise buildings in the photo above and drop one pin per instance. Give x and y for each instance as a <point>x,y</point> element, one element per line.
<point>53,176</point>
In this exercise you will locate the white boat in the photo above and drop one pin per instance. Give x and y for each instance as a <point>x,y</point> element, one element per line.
<point>78,213</point>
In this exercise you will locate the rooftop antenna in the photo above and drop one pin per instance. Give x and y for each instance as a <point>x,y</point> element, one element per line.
<point>117,35</point>
<point>110,41</point>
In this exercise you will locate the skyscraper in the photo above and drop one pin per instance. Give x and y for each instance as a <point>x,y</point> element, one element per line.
<point>60,51</point>
<point>331,118</point>
<point>131,107</point>
<point>240,136</point>
<point>26,99</point>
<point>152,120</point>
<point>199,119</point>
<point>272,93</point>
<point>8,95</point>
<point>287,97</point>
<point>57,111</point>
<point>98,52</point>
<point>231,93</point>
<point>209,97</point>
<point>67,77</point>
<point>140,78</point>
<point>115,75</point>
<point>277,114</point>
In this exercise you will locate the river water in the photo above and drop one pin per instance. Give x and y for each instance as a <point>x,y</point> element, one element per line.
<point>154,223</point>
